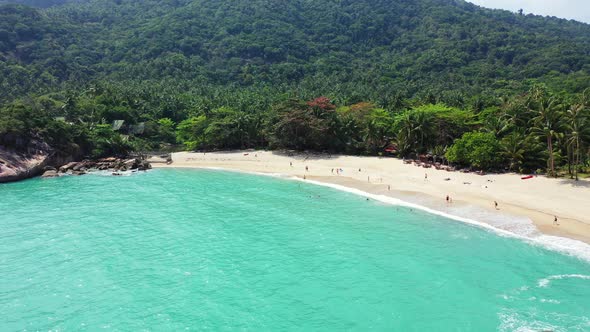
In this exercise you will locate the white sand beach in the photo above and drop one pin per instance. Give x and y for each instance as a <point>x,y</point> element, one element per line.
<point>538,199</point>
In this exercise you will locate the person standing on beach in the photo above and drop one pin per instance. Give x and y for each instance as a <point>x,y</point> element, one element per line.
<point>448,199</point>
<point>332,171</point>
<point>425,177</point>
<point>389,187</point>
<point>496,205</point>
<point>555,222</point>
<point>306,169</point>
<point>291,163</point>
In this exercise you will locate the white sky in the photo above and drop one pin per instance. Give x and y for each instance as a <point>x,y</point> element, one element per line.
<point>571,9</point>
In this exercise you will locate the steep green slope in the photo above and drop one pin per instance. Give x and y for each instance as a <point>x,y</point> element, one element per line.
<point>39,3</point>
<point>482,88</point>
<point>365,49</point>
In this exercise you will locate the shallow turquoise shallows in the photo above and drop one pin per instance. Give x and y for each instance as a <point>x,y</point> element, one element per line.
<point>170,250</point>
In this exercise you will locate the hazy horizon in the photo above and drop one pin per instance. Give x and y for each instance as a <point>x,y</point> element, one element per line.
<point>569,9</point>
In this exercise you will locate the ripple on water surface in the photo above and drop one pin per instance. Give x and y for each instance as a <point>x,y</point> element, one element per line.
<point>176,249</point>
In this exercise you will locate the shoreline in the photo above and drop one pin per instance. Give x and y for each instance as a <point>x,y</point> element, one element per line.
<point>471,193</point>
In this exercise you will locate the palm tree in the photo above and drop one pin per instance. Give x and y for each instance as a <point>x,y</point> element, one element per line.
<point>439,152</point>
<point>578,124</point>
<point>514,148</point>
<point>497,125</point>
<point>516,113</point>
<point>242,122</point>
<point>347,133</point>
<point>547,122</point>
<point>405,136</point>
<point>422,125</point>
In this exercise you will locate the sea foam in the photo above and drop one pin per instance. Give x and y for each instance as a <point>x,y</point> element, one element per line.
<point>545,282</point>
<point>526,230</point>
<point>507,226</point>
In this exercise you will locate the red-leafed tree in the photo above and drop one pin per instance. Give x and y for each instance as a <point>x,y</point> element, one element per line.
<point>322,104</point>
<point>299,125</point>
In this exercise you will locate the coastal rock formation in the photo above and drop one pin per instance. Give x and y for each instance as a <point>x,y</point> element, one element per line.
<point>160,159</point>
<point>111,163</point>
<point>19,166</point>
<point>15,166</point>
<point>50,174</point>
<point>67,167</point>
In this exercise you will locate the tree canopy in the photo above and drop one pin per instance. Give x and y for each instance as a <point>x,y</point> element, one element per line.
<point>379,50</point>
<point>481,88</point>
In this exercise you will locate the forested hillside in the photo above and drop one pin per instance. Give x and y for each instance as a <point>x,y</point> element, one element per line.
<point>160,63</point>
<point>38,3</point>
<point>352,49</point>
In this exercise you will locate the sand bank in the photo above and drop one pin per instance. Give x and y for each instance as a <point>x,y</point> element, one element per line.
<point>535,201</point>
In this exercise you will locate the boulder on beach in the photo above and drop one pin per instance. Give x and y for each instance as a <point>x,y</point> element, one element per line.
<point>68,166</point>
<point>50,174</point>
<point>79,166</point>
<point>15,166</point>
<point>130,163</point>
<point>144,166</point>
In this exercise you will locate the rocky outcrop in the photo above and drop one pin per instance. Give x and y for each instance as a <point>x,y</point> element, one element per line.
<point>67,167</point>
<point>115,165</point>
<point>50,174</point>
<point>160,159</point>
<point>16,166</point>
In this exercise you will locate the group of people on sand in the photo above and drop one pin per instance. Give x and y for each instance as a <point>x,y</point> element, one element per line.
<point>448,198</point>
<point>338,171</point>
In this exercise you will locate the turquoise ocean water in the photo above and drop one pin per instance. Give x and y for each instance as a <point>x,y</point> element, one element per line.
<point>172,250</point>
